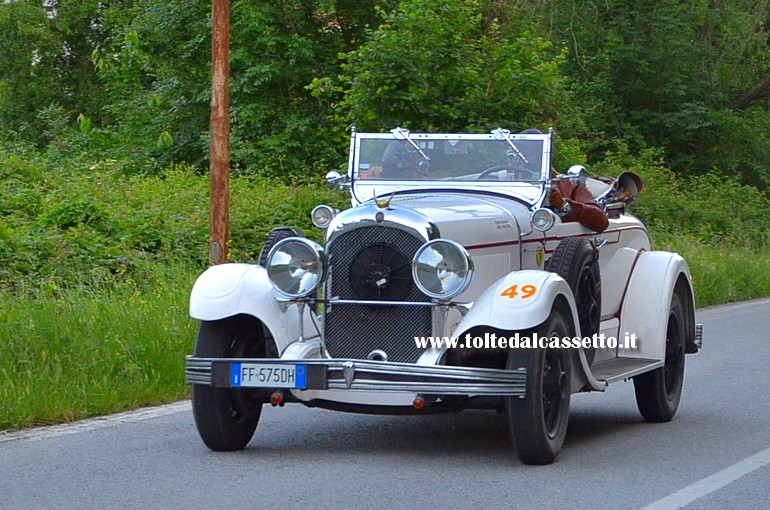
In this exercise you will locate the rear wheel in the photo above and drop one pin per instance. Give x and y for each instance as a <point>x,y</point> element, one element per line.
<point>658,392</point>
<point>226,418</point>
<point>538,422</point>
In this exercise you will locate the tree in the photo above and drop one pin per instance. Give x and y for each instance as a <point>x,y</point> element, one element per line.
<point>445,65</point>
<point>27,52</point>
<point>671,74</point>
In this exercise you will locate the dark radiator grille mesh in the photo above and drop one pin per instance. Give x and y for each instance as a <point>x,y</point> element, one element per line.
<point>374,263</point>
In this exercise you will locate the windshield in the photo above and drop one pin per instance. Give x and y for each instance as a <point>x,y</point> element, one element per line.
<point>475,158</point>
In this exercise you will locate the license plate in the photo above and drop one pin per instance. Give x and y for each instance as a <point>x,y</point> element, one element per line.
<point>268,375</point>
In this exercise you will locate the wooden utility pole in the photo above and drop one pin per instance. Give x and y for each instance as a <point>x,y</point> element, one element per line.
<point>219,166</point>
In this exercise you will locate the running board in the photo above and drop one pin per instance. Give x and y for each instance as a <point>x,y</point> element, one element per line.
<point>619,369</point>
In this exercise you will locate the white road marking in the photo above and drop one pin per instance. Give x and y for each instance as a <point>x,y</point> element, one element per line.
<point>713,483</point>
<point>147,413</point>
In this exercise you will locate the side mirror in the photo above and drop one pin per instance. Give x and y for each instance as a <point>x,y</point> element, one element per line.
<point>577,174</point>
<point>337,181</point>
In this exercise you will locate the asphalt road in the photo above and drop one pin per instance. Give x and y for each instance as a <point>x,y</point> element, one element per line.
<point>715,454</point>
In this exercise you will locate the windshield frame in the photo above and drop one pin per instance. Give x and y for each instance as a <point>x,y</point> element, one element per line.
<point>530,191</point>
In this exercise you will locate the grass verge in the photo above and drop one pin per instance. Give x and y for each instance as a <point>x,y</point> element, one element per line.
<point>83,353</point>
<point>722,273</point>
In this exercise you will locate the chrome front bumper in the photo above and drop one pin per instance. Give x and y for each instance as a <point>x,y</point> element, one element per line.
<point>364,375</point>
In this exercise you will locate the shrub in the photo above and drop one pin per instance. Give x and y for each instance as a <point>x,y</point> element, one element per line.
<point>81,225</point>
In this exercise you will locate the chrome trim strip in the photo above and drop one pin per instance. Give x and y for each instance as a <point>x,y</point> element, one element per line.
<point>362,375</point>
<point>335,301</point>
<point>433,388</point>
<point>463,307</point>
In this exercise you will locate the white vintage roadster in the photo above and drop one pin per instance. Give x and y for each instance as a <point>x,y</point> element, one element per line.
<point>449,236</point>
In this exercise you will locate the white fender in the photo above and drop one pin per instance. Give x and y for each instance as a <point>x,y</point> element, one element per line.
<point>647,301</point>
<point>225,290</point>
<point>528,304</point>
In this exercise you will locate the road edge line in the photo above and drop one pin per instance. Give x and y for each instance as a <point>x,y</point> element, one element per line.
<point>713,483</point>
<point>100,422</point>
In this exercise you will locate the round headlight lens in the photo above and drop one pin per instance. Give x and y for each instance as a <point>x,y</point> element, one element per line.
<point>543,219</point>
<point>296,266</point>
<point>442,269</point>
<point>321,216</point>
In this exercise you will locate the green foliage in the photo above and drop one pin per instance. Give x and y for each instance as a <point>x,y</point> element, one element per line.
<point>130,80</point>
<point>737,143</point>
<point>715,209</point>
<point>723,271</point>
<point>27,81</point>
<point>444,66</point>
<point>684,76</point>
<point>96,273</point>
<point>78,224</point>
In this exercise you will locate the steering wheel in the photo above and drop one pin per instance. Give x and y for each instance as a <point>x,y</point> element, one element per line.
<point>512,169</point>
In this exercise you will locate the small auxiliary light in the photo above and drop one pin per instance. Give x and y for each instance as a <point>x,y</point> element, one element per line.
<point>322,216</point>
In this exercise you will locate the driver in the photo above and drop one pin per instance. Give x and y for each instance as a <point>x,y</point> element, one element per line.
<point>401,161</point>
<point>514,161</point>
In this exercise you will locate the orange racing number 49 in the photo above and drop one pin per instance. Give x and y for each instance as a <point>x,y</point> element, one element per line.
<point>513,292</point>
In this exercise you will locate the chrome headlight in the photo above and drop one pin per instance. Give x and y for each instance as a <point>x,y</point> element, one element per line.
<point>321,216</point>
<point>543,219</point>
<point>296,266</point>
<point>442,269</point>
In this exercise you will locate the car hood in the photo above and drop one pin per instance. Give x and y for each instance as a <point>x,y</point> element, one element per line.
<point>468,219</point>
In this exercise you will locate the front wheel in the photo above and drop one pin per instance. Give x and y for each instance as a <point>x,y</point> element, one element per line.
<point>658,392</point>
<point>226,418</point>
<point>538,422</point>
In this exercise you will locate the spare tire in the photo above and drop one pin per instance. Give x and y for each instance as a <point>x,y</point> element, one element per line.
<point>576,260</point>
<point>275,235</point>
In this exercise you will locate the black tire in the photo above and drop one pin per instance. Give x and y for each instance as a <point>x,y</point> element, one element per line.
<point>659,392</point>
<point>227,418</point>
<point>275,235</point>
<point>576,260</point>
<point>538,422</point>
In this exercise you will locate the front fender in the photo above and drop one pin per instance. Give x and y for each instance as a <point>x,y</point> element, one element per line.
<point>226,290</point>
<point>506,306</point>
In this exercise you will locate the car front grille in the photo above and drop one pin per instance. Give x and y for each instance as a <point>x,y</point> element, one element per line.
<point>374,263</point>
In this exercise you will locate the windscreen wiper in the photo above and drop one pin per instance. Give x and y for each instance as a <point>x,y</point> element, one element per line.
<point>504,134</point>
<point>400,133</point>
